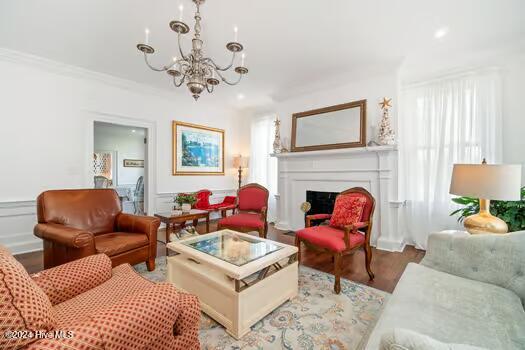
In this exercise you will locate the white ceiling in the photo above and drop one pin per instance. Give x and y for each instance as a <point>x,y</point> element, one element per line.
<point>116,130</point>
<point>289,44</point>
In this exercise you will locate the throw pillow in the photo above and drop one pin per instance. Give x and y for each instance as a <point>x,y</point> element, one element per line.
<point>348,210</point>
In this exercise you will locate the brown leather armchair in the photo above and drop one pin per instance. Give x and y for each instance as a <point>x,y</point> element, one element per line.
<point>79,223</point>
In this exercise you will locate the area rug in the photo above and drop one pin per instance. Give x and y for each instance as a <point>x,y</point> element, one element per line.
<point>316,319</point>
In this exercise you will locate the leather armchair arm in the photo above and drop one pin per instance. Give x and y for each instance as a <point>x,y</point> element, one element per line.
<point>138,224</point>
<point>309,218</point>
<point>64,235</point>
<point>66,281</point>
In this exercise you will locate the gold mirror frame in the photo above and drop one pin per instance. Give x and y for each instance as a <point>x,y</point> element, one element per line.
<point>361,104</point>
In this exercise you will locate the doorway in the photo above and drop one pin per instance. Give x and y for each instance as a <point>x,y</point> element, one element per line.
<point>120,162</point>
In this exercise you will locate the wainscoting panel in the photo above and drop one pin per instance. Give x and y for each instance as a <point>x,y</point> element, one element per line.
<point>17,220</point>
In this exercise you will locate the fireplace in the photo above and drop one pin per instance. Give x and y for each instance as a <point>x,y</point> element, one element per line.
<point>321,202</point>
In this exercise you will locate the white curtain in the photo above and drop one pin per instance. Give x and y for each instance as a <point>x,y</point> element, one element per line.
<point>262,167</point>
<point>442,122</point>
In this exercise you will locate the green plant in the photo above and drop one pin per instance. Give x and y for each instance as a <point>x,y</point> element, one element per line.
<point>189,198</point>
<point>513,213</point>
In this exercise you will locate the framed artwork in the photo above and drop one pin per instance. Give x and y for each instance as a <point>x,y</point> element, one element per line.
<point>133,163</point>
<point>197,150</point>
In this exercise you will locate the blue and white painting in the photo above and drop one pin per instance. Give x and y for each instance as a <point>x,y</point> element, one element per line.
<point>198,150</point>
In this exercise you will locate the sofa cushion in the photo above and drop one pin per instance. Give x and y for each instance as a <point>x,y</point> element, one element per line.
<point>348,210</point>
<point>23,305</point>
<point>453,309</point>
<point>119,242</point>
<point>329,237</point>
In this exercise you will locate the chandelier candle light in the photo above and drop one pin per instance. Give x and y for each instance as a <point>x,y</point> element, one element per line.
<point>194,69</point>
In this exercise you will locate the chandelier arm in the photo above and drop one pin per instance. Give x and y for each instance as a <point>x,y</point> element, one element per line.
<point>228,82</point>
<point>180,82</point>
<point>180,48</point>
<point>165,68</point>
<point>222,69</point>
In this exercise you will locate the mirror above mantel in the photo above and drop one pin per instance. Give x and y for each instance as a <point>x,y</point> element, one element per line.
<point>340,126</point>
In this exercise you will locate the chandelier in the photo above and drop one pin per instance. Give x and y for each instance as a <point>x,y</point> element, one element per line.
<point>198,72</point>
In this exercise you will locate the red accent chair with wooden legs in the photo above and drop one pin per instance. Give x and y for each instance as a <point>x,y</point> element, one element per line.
<point>251,209</point>
<point>350,229</point>
<point>203,202</point>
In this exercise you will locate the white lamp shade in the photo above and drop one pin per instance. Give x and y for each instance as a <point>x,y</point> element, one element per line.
<point>487,181</point>
<point>240,161</point>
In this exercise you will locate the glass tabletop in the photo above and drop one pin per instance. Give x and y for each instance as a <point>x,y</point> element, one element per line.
<point>232,248</point>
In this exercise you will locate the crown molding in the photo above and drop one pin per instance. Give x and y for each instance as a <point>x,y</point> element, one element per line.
<point>56,67</point>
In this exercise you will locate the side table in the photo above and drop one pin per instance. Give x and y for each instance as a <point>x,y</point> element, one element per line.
<point>171,220</point>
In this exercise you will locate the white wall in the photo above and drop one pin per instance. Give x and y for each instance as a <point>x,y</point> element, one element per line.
<point>45,142</point>
<point>373,89</point>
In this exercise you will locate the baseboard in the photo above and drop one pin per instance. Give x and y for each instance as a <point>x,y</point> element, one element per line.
<point>25,247</point>
<point>390,245</point>
<point>282,225</point>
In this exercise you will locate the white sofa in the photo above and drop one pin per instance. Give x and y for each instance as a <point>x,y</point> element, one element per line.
<point>467,293</point>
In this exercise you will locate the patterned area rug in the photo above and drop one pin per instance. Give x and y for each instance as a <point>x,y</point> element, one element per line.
<point>316,319</point>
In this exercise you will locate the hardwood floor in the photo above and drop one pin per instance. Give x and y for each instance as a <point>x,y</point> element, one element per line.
<point>386,266</point>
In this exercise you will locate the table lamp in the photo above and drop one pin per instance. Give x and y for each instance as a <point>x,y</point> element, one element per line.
<point>240,162</point>
<point>486,182</point>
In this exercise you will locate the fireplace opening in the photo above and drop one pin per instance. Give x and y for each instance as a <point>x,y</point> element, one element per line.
<point>321,202</point>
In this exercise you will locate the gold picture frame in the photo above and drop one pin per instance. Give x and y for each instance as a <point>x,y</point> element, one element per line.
<point>188,156</point>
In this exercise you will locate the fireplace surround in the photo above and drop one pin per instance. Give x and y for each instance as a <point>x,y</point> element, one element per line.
<point>373,168</point>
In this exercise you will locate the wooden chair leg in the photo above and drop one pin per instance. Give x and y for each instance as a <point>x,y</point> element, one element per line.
<point>298,245</point>
<point>150,264</point>
<point>368,260</point>
<point>337,272</point>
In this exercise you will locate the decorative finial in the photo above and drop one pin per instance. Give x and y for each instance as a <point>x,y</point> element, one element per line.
<point>386,103</point>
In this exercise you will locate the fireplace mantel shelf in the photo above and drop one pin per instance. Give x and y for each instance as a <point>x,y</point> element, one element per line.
<point>341,151</point>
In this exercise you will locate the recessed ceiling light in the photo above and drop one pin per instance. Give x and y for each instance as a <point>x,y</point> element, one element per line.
<point>240,97</point>
<point>441,32</point>
<point>133,130</point>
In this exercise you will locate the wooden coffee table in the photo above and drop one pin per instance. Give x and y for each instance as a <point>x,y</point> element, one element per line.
<point>238,278</point>
<point>171,220</point>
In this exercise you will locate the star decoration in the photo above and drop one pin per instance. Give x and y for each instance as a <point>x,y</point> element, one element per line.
<point>386,103</point>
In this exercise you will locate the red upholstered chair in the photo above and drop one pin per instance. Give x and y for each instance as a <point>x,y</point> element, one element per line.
<point>350,228</point>
<point>251,208</point>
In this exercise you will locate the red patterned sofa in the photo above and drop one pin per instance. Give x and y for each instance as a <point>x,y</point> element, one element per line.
<point>203,202</point>
<point>85,304</point>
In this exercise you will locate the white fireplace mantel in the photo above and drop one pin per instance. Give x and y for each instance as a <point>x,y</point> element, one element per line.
<point>374,168</point>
